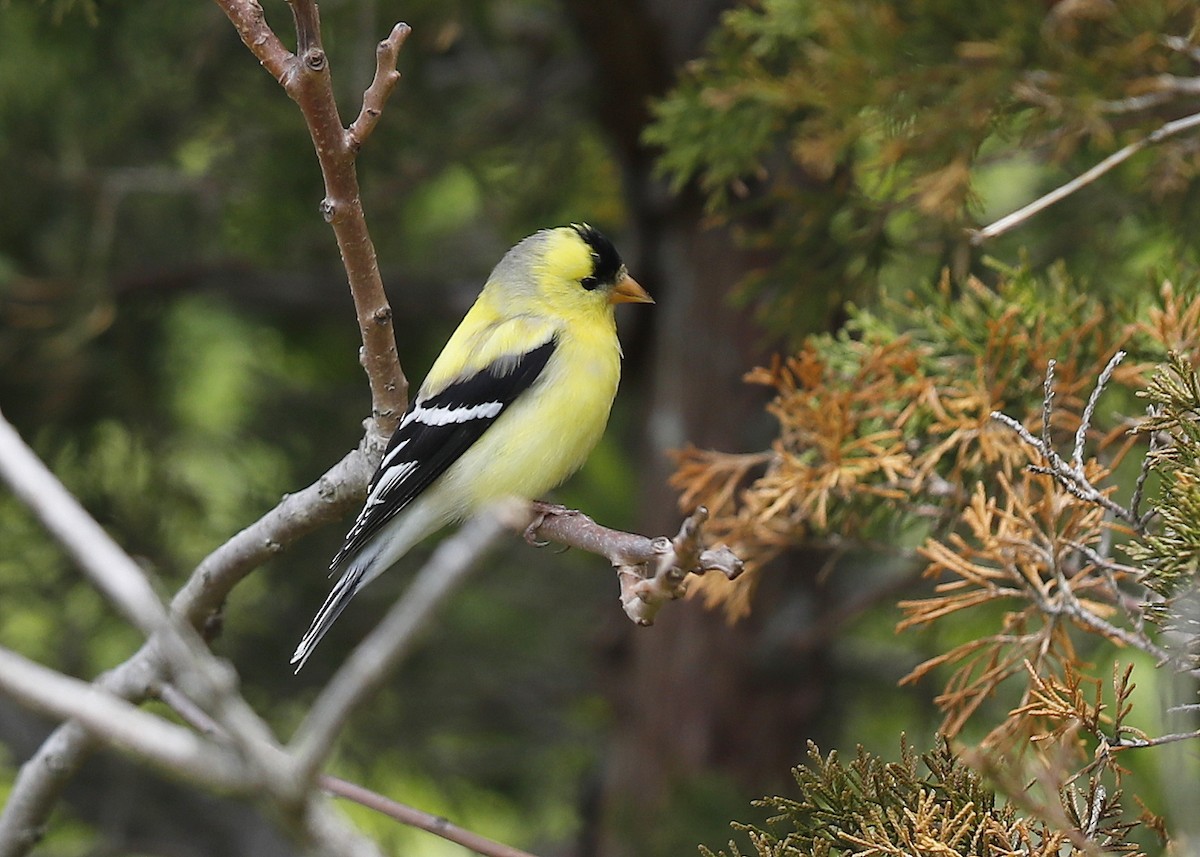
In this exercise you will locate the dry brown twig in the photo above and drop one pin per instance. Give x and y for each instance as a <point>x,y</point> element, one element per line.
<point>1040,540</point>
<point>1045,539</point>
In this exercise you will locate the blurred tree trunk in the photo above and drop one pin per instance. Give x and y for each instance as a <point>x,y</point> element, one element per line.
<point>694,697</point>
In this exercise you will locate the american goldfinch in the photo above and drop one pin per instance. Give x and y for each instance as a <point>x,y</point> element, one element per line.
<point>512,406</point>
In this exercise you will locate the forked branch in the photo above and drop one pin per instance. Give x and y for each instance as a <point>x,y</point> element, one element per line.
<point>651,571</point>
<point>305,76</point>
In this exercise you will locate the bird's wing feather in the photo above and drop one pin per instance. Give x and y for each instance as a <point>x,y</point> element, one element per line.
<point>437,429</point>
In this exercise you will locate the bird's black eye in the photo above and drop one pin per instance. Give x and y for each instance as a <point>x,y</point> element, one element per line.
<point>592,281</point>
<point>606,264</point>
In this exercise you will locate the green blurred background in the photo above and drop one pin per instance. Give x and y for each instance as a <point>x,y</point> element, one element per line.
<point>177,341</point>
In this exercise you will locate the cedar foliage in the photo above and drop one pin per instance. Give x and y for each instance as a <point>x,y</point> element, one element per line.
<point>846,140</point>
<point>894,431</point>
<point>992,427</point>
<point>871,807</point>
<point>930,421</point>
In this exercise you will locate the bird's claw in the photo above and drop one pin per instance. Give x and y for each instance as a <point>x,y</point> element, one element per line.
<point>541,511</point>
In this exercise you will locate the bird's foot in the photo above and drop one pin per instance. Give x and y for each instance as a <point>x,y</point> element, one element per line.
<point>541,511</point>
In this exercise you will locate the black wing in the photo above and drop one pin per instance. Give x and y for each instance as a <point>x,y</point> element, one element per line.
<point>432,435</point>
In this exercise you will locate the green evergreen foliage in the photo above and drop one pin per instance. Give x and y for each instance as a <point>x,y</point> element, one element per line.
<point>923,806</point>
<point>1170,553</point>
<point>850,142</point>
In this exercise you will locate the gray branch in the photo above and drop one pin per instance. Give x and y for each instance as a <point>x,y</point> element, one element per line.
<point>650,571</point>
<point>172,648</point>
<point>169,747</point>
<point>1071,476</point>
<point>106,565</point>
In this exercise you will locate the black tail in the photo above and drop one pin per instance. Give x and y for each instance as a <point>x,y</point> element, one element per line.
<point>338,598</point>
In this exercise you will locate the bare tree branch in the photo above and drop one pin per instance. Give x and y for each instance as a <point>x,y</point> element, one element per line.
<point>42,778</point>
<point>122,581</point>
<point>306,79</point>
<point>377,94</point>
<point>108,567</point>
<point>650,571</point>
<point>419,819</point>
<point>1011,221</point>
<point>171,649</point>
<point>248,18</point>
<point>169,747</point>
<point>38,784</point>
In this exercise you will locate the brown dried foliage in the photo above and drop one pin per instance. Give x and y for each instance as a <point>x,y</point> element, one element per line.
<point>891,437</point>
<point>887,425</point>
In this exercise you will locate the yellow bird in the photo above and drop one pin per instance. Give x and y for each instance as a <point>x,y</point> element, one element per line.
<point>513,405</point>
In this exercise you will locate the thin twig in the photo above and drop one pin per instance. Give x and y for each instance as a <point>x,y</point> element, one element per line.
<point>1074,482</point>
<point>650,572</point>
<point>1048,402</point>
<point>1089,411</point>
<point>1136,743</point>
<point>1138,103</point>
<point>198,719</point>
<point>1183,46</point>
<point>1139,487</point>
<point>385,80</point>
<point>250,23</point>
<point>1167,87</point>
<point>307,19</point>
<point>417,818</point>
<point>1073,477</point>
<point>1068,604</point>
<point>1011,221</point>
<point>191,713</point>
<point>1130,606</point>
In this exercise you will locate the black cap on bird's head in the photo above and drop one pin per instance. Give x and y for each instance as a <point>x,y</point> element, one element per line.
<point>607,268</point>
<point>608,262</point>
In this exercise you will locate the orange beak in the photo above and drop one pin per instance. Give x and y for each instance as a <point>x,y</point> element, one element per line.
<point>628,291</point>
